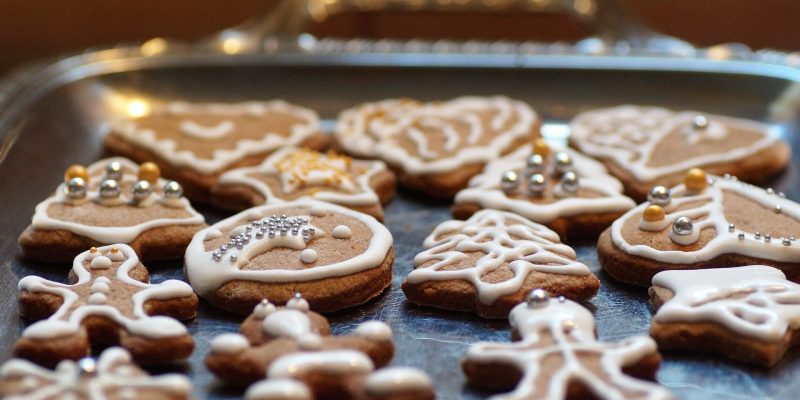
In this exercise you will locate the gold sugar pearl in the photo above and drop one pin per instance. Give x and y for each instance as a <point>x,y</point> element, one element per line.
<point>150,172</point>
<point>114,250</point>
<point>541,147</point>
<point>653,213</point>
<point>76,171</point>
<point>93,250</point>
<point>696,180</point>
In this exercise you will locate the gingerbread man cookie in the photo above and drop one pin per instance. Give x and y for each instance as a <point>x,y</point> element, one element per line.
<point>112,376</point>
<point>436,147</point>
<point>109,303</point>
<point>555,355</point>
<point>707,222</point>
<point>196,142</point>
<point>570,193</point>
<point>749,313</point>
<point>489,263</point>
<point>292,173</point>
<point>112,201</point>
<point>650,146</point>
<point>335,256</point>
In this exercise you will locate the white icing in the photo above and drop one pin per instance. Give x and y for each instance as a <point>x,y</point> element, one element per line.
<point>342,232</point>
<point>100,287</point>
<point>331,362</point>
<point>293,166</point>
<point>115,255</point>
<point>69,316</point>
<point>711,215</point>
<point>278,389</point>
<point>485,189</point>
<point>397,380</point>
<point>110,234</point>
<point>97,298</point>
<point>287,323</point>
<point>685,240</point>
<point>374,130</point>
<point>571,328</point>
<point>628,135</point>
<point>308,256</point>
<point>101,262</point>
<point>198,131</point>
<point>375,331</point>
<point>504,238</point>
<point>754,301</point>
<point>262,309</point>
<point>108,379</point>
<point>213,234</point>
<point>207,275</point>
<point>298,303</point>
<point>221,158</point>
<point>229,343</point>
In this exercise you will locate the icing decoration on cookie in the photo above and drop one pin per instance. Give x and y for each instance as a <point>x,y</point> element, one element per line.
<point>237,130</point>
<point>632,137</point>
<point>138,197</point>
<point>278,389</point>
<point>690,213</point>
<point>438,137</point>
<point>557,347</point>
<point>570,169</point>
<point>325,176</point>
<point>263,228</point>
<point>112,376</point>
<point>503,239</point>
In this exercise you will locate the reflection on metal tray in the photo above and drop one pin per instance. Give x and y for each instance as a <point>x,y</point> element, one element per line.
<point>58,119</point>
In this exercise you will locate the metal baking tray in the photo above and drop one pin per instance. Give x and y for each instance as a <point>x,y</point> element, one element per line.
<point>55,114</point>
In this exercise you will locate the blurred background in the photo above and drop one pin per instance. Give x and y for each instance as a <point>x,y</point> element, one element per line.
<point>30,29</point>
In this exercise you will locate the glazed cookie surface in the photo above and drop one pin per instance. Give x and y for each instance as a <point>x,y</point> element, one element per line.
<point>335,256</point>
<point>195,142</point>
<point>557,187</point>
<point>649,146</point>
<point>112,201</point>
<point>489,263</point>
<point>292,173</point>
<point>436,147</point>
<point>749,313</point>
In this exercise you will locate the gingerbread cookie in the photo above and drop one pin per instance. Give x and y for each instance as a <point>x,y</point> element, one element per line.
<point>335,256</point>
<point>707,222</point>
<point>750,313</point>
<point>555,355</point>
<point>110,302</point>
<point>570,193</point>
<point>112,201</point>
<point>489,263</point>
<point>196,142</point>
<point>649,146</point>
<point>436,147</point>
<point>292,173</point>
<point>112,376</point>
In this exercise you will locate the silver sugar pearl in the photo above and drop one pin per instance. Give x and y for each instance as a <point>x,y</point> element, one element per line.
<point>260,235</point>
<point>75,188</point>
<point>109,189</point>
<point>114,170</point>
<point>223,248</point>
<point>142,190</point>
<point>216,255</point>
<point>562,299</point>
<point>535,164</point>
<point>537,184</point>
<point>659,196</point>
<point>683,226</point>
<point>757,235</point>
<point>538,298</point>
<point>782,195</point>
<point>777,209</point>
<point>87,366</point>
<point>569,182</point>
<point>700,122</point>
<point>770,191</point>
<point>731,228</point>
<point>233,257</point>
<point>786,242</point>
<point>509,181</point>
<point>173,190</point>
<point>741,235</point>
<point>563,163</point>
<point>768,238</point>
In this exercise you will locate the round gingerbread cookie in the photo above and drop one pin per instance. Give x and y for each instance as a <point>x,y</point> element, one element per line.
<point>334,256</point>
<point>436,147</point>
<point>649,146</point>
<point>194,143</point>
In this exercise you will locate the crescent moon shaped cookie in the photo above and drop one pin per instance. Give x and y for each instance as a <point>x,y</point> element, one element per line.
<point>707,222</point>
<point>560,188</point>
<point>649,146</point>
<point>335,256</point>
<point>109,302</point>
<point>749,313</point>
<point>489,263</point>
<point>194,143</point>
<point>112,376</point>
<point>112,201</point>
<point>436,147</point>
<point>555,355</point>
<point>292,173</point>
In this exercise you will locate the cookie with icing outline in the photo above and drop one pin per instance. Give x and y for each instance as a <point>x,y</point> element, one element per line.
<point>335,256</point>
<point>707,222</point>
<point>293,173</point>
<point>554,355</point>
<point>557,187</point>
<point>489,263</point>
<point>112,376</point>
<point>112,201</point>
<point>194,143</point>
<point>108,302</point>
<point>649,146</point>
<point>750,313</point>
<point>436,147</point>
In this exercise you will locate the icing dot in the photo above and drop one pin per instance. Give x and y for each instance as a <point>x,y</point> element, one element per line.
<point>317,212</point>
<point>101,262</point>
<point>342,232</point>
<point>263,309</point>
<point>100,287</point>
<point>375,331</point>
<point>103,279</point>
<point>213,234</point>
<point>97,298</point>
<point>115,255</point>
<point>298,303</point>
<point>229,343</point>
<point>308,256</point>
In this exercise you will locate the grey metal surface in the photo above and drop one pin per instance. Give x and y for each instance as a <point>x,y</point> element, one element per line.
<point>65,122</point>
